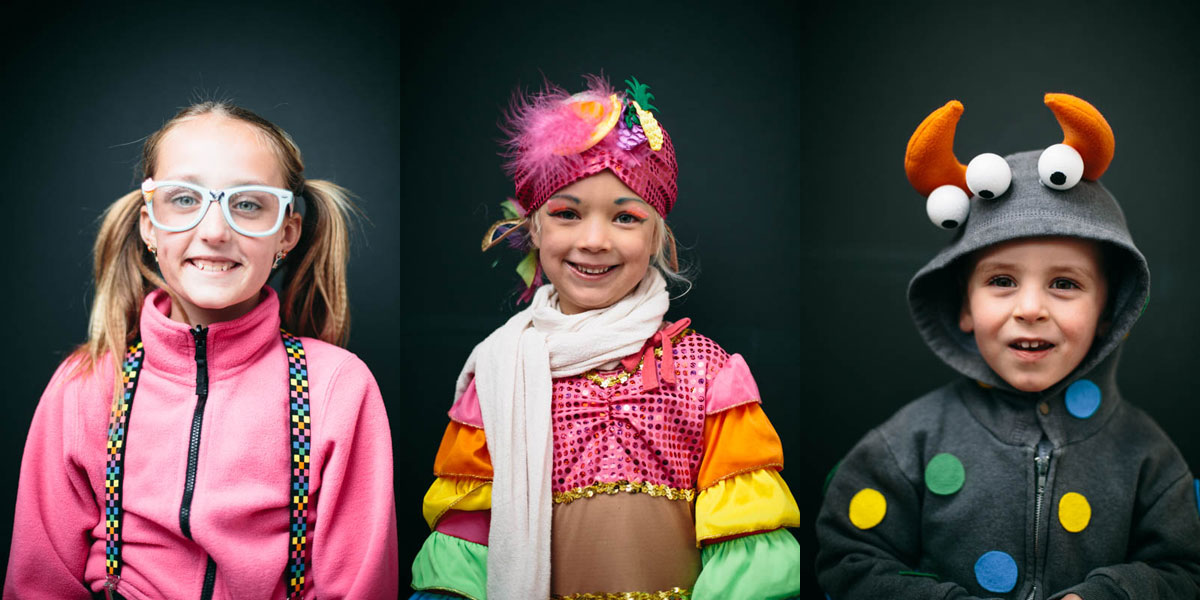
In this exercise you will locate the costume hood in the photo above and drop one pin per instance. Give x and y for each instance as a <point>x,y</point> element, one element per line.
<point>1026,205</point>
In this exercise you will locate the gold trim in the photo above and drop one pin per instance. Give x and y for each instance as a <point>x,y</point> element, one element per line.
<point>620,378</point>
<point>671,594</point>
<point>490,239</point>
<point>777,466</point>
<point>629,487</point>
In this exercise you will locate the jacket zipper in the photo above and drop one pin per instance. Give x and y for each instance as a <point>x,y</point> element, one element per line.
<point>210,579</point>
<point>1042,464</point>
<point>200,336</point>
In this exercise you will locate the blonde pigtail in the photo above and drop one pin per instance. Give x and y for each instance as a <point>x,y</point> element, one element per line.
<point>124,275</point>
<point>315,301</point>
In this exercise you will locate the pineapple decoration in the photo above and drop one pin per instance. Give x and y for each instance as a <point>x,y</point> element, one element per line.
<point>639,123</point>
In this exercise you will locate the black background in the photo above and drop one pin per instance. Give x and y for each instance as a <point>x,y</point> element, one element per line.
<point>790,123</point>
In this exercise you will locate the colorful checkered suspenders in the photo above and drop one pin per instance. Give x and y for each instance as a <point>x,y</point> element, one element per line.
<point>301,445</point>
<point>301,428</point>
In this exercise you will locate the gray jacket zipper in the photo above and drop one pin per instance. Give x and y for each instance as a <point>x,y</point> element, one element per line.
<point>1042,464</point>
<point>200,335</point>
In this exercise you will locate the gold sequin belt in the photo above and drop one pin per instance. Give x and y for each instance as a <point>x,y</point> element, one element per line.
<point>629,487</point>
<point>671,594</point>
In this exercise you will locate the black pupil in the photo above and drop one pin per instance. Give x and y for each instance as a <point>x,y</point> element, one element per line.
<point>949,223</point>
<point>1058,178</point>
<point>986,194</point>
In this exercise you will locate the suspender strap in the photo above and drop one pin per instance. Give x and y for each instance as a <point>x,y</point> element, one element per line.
<point>301,428</point>
<point>300,425</point>
<point>114,472</point>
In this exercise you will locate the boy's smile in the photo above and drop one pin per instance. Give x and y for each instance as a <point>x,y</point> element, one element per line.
<point>1034,306</point>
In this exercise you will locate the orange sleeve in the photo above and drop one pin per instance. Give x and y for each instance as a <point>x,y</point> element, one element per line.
<point>736,441</point>
<point>463,453</point>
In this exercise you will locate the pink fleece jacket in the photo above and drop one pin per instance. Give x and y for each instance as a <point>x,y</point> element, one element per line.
<point>239,509</point>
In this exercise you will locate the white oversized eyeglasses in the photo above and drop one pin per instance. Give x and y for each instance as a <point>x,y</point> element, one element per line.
<point>251,210</point>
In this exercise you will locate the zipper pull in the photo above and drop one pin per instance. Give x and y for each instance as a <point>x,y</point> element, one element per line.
<point>200,335</point>
<point>1043,461</point>
<point>110,586</point>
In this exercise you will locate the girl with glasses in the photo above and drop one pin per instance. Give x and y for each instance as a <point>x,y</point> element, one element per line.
<point>212,439</point>
<point>594,449</point>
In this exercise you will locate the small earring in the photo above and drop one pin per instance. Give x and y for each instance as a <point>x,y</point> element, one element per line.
<point>153,250</point>
<point>279,256</point>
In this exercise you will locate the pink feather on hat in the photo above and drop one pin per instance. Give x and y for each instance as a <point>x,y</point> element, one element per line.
<point>555,138</point>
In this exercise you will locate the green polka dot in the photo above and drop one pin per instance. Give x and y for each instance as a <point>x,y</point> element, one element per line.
<point>944,475</point>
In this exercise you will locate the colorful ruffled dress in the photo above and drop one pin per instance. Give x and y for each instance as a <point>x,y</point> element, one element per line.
<point>672,492</point>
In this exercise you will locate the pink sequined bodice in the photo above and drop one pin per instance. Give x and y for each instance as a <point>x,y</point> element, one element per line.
<point>623,433</point>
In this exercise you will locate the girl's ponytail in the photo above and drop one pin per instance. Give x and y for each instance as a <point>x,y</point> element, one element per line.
<point>124,275</point>
<point>314,302</point>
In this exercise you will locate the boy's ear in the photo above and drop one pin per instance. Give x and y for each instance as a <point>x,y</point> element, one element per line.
<point>965,321</point>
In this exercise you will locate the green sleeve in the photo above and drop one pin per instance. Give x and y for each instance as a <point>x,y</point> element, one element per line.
<point>448,564</point>
<point>761,566</point>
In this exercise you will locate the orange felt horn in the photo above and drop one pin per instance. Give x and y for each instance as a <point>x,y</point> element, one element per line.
<point>929,161</point>
<point>1085,130</point>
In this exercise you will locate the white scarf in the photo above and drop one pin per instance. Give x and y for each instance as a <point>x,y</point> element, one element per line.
<point>514,370</point>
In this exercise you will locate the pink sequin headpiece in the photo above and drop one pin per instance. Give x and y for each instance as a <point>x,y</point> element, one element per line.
<point>555,139</point>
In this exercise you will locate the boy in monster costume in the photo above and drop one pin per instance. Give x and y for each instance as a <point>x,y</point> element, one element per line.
<point>1030,477</point>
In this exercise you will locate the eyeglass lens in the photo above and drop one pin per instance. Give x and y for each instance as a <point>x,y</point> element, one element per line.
<point>253,211</point>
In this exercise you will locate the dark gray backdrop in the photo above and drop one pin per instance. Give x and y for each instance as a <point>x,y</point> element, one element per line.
<point>790,124</point>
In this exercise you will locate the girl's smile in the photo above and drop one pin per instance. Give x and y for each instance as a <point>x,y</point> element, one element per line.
<point>211,265</point>
<point>591,272</point>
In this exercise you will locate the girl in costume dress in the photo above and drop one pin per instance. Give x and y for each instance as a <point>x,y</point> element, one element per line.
<point>595,450</point>
<point>191,448</point>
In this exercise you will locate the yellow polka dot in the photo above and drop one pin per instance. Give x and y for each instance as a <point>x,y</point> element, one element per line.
<point>1074,512</point>
<point>867,508</point>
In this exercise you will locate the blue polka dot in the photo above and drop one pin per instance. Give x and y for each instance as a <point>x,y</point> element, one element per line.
<point>996,571</point>
<point>1083,398</point>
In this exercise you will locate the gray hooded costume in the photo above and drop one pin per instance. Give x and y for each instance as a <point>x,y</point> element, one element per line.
<point>1007,531</point>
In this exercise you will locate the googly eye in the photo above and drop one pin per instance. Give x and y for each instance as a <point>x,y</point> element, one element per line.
<point>1060,167</point>
<point>948,206</point>
<point>988,175</point>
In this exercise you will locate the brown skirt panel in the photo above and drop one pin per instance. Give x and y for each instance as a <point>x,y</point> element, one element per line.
<point>622,543</point>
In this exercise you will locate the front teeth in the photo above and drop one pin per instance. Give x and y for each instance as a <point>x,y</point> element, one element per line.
<point>212,267</point>
<point>1032,345</point>
<point>583,269</point>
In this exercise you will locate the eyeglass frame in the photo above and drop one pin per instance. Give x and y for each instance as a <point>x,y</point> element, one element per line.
<point>221,196</point>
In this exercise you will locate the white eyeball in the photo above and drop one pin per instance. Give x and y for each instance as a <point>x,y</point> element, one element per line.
<point>988,175</point>
<point>948,206</point>
<point>1060,167</point>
